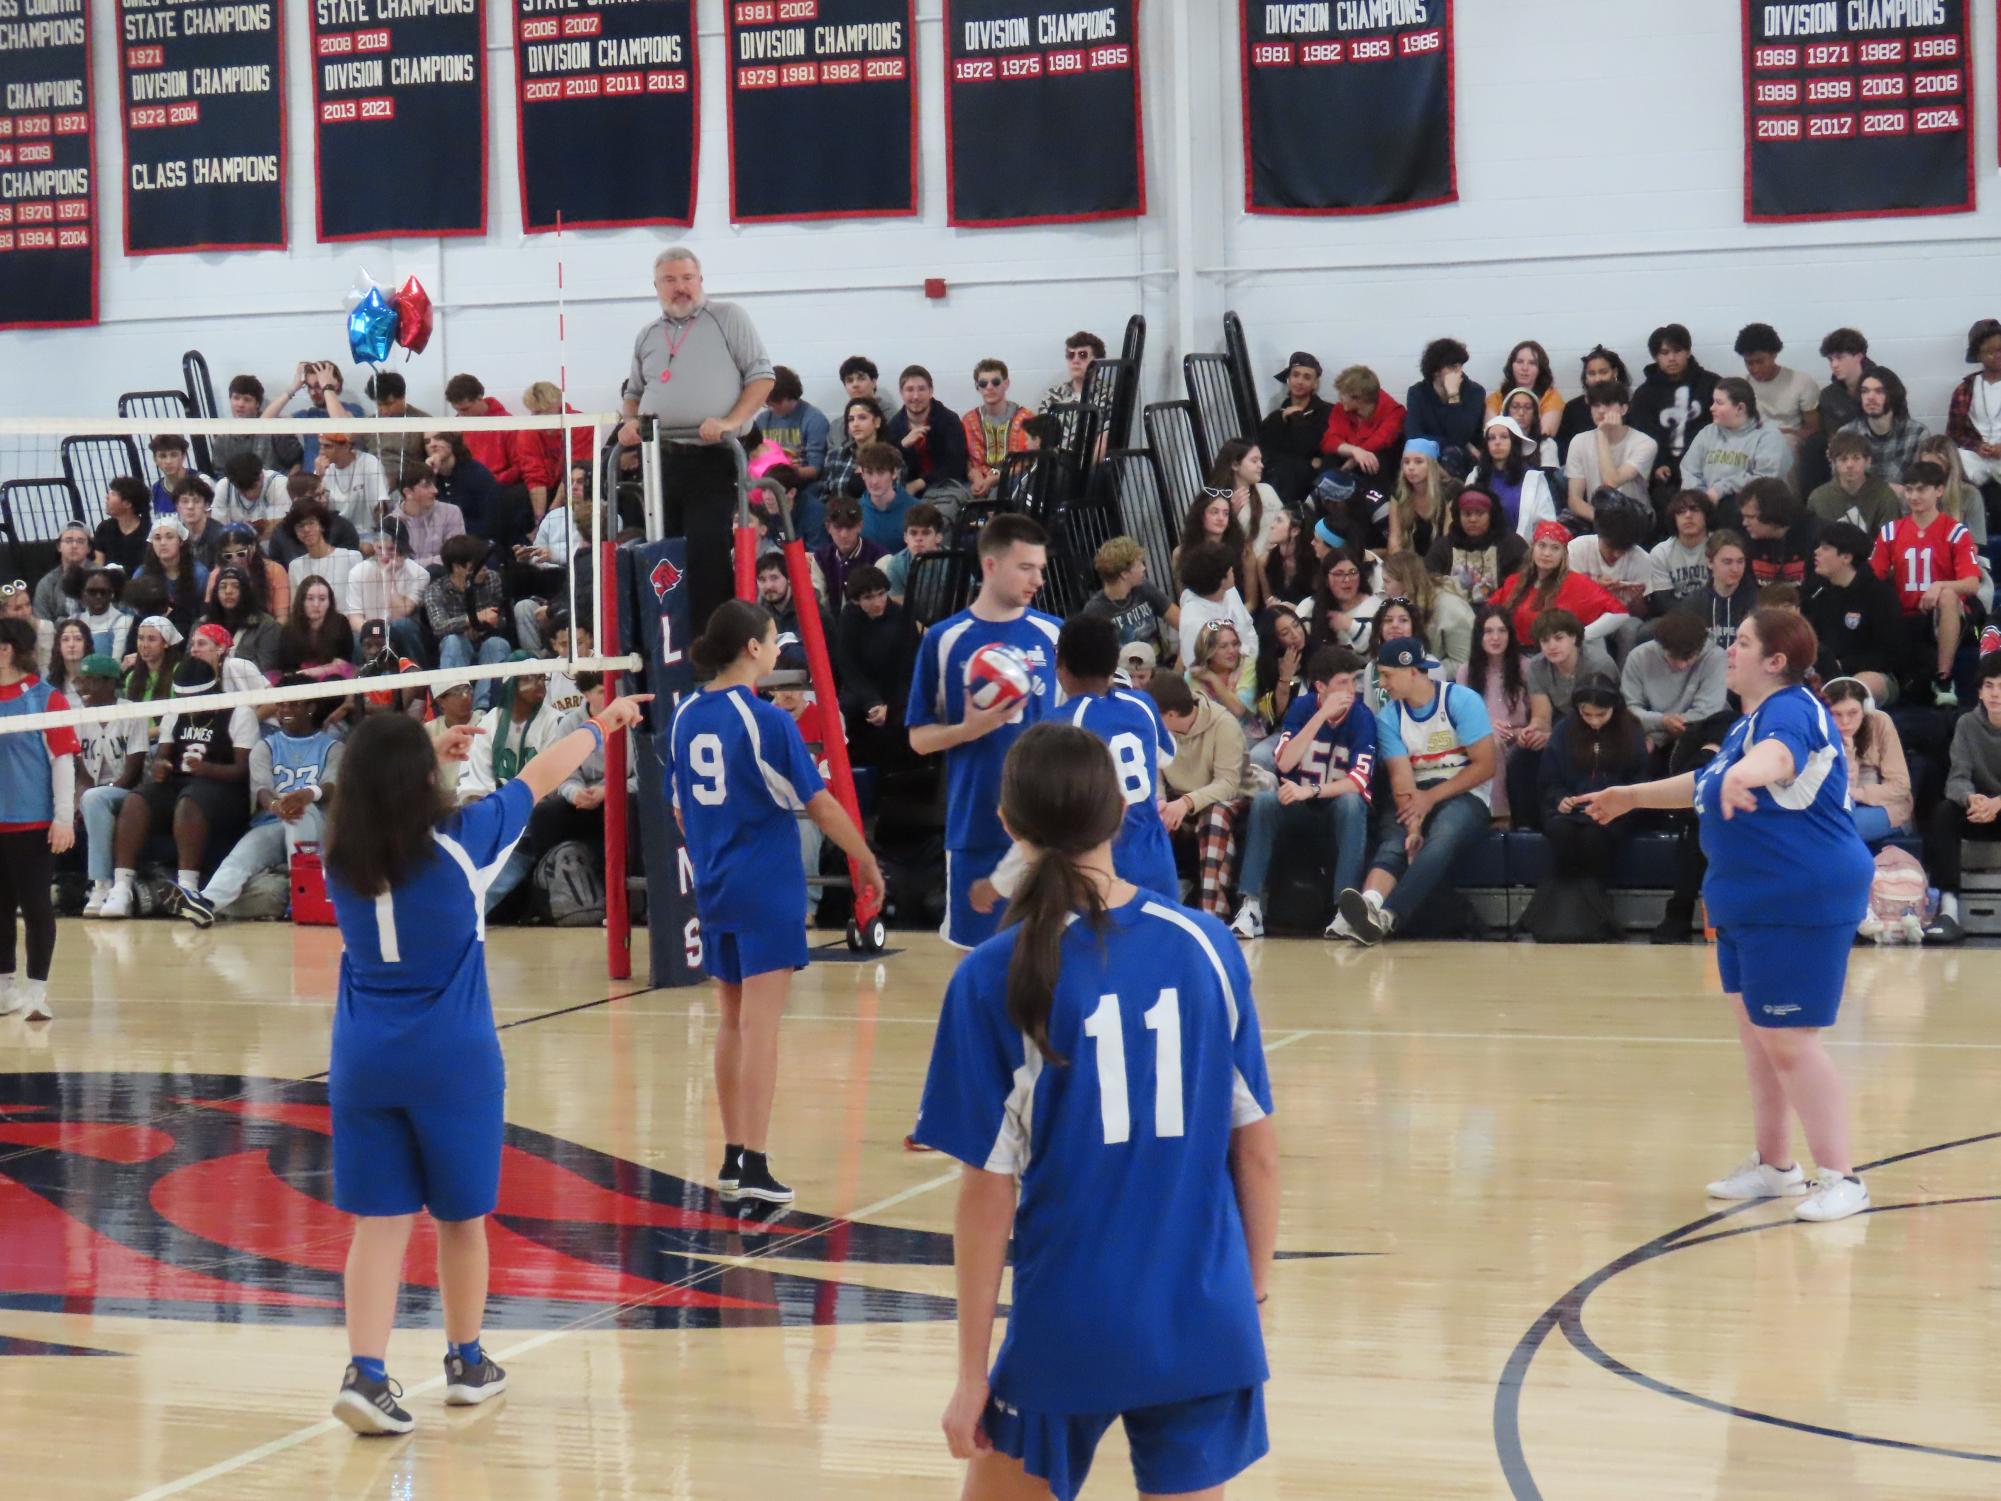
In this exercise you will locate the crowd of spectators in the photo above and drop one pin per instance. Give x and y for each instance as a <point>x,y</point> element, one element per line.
<point>1403,623</point>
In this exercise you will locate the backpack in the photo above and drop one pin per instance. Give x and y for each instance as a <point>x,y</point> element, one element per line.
<point>568,886</point>
<point>1900,900</point>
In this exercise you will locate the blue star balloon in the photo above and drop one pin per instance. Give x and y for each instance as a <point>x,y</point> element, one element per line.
<point>371,329</point>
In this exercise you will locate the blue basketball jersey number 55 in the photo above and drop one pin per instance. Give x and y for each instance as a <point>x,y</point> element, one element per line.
<point>1106,1028</point>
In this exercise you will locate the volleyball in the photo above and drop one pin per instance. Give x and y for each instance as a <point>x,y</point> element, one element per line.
<point>996,676</point>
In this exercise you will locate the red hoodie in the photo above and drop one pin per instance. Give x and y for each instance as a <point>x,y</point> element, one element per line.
<point>548,445</point>
<point>514,457</point>
<point>1585,598</point>
<point>1378,433</point>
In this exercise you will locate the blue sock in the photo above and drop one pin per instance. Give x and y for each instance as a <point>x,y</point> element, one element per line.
<point>370,1367</point>
<point>469,1353</point>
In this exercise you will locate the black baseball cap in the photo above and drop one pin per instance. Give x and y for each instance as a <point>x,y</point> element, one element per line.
<point>1299,357</point>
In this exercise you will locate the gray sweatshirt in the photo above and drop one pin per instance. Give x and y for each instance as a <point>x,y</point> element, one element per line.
<point>1726,462</point>
<point>1654,688</point>
<point>1976,759</point>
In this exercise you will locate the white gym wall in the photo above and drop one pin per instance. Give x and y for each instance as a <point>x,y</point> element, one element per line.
<point>1600,159</point>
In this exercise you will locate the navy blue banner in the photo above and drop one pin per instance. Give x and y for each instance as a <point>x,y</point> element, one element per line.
<point>823,109</point>
<point>1347,106</point>
<point>48,193</point>
<point>202,97</point>
<point>1857,110</point>
<point>1042,120</point>
<point>607,112</point>
<point>399,118</point>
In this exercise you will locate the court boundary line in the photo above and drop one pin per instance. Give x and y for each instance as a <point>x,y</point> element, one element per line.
<point>1567,1312</point>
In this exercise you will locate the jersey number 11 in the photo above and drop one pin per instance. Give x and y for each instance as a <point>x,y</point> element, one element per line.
<point>1106,1028</point>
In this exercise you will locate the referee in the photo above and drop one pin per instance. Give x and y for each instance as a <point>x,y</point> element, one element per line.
<point>699,366</point>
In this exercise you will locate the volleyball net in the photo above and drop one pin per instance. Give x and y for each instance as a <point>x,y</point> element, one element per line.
<point>319,556</point>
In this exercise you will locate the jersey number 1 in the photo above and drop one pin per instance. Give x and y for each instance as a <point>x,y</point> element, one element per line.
<point>1107,1029</point>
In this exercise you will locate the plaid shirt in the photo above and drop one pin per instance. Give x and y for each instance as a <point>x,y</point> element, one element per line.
<point>1959,424</point>
<point>1894,452</point>
<point>839,476</point>
<point>451,609</point>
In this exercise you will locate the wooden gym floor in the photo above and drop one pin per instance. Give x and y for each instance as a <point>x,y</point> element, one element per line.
<point>1507,1281</point>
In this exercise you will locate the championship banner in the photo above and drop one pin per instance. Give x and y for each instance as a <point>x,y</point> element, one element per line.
<point>1348,106</point>
<point>1042,112</point>
<point>1857,109</point>
<point>823,109</point>
<point>202,90</point>
<point>48,202</point>
<point>607,111</point>
<point>399,118</point>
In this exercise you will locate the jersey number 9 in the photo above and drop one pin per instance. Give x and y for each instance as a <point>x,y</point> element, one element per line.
<point>705,760</point>
<point>1106,1028</point>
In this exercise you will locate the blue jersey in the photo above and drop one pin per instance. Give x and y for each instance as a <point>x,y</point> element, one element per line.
<point>1132,1283</point>
<point>740,776</point>
<point>296,761</point>
<point>938,696</point>
<point>413,1022</point>
<point>27,795</point>
<point>1346,748</point>
<point>1796,860</point>
<point>1129,724</point>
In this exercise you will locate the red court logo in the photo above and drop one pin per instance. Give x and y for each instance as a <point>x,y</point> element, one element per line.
<point>665,578</point>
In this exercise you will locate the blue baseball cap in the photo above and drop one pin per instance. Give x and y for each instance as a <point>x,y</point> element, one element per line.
<point>1404,651</point>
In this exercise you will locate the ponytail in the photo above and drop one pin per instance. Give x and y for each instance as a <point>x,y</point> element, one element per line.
<point>734,625</point>
<point>1060,794</point>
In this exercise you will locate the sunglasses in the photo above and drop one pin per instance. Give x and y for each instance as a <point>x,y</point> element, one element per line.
<point>991,382</point>
<point>1078,354</point>
<point>19,586</point>
<point>1218,492</point>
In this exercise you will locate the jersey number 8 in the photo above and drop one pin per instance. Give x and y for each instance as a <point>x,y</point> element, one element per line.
<point>705,760</point>
<point>1106,1027</point>
<point>1134,779</point>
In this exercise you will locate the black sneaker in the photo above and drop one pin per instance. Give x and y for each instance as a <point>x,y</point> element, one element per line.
<point>468,1384</point>
<point>370,1407</point>
<point>1675,926</point>
<point>193,906</point>
<point>756,1181</point>
<point>1944,929</point>
<point>732,1170</point>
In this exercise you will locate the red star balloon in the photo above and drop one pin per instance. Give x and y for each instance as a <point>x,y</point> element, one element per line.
<point>413,316</point>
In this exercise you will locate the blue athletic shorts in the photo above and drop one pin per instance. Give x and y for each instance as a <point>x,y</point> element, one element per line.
<point>735,956</point>
<point>443,1156</point>
<point>1182,1446</point>
<point>1788,977</point>
<point>964,928</point>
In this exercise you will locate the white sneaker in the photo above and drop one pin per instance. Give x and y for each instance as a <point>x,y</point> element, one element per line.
<point>1339,929</point>
<point>1834,1197</point>
<point>117,903</point>
<point>1754,1179</point>
<point>36,994</point>
<point>11,998</point>
<point>99,890</point>
<point>1250,921</point>
<point>1368,920</point>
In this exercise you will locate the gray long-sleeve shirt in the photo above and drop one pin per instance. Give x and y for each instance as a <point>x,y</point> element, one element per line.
<point>1654,687</point>
<point>1976,759</point>
<point>1726,461</point>
<point>684,373</point>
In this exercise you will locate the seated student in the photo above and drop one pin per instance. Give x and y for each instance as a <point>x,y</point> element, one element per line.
<point>1343,605</point>
<point>317,640</point>
<point>109,765</point>
<point>1224,672</point>
<point>512,732</point>
<point>1597,745</point>
<point>156,652</point>
<point>1397,616</point>
<point>1672,404</point>
<point>1475,553</point>
<point>1201,784</point>
<point>391,585</point>
<point>993,428</point>
<point>932,437</point>
<point>875,649</point>
<point>1737,447</point>
<point>1415,515</point>
<point>170,457</point>
<point>58,593</point>
<point>1614,558</point>
<point>1326,756</point>
<point>464,611</point>
<point>1961,501</point>
<point>212,644</point>
<point>1137,662</point>
<point>1782,533</point>
<point>1971,807</point>
<point>1612,456</point>
<point>1363,431</point>
<point>1289,565</point>
<point>1728,598</point>
<point>469,485</point>
<point>451,705</point>
<point>283,545</point>
<point>1973,419</point>
<point>312,523</point>
<point>1855,614</point>
<point>1929,559</point>
<point>1291,431</point>
<point>1439,748</point>
<point>280,452</point>
<point>194,504</point>
<point>195,785</point>
<point>774,592</point>
<point>1788,398</point>
<point>1510,473</point>
<point>847,548</point>
<point>321,382</point>
<point>1673,681</point>
<point>169,560</point>
<point>256,497</point>
<point>120,539</point>
<point>1879,778</point>
<point>1600,366</point>
<point>859,377</point>
<point>352,483</point>
<point>110,626</point>
<point>1564,657</point>
<point>1079,350</point>
<point>1548,582</point>
<point>1209,592</point>
<point>1444,406</point>
<point>1495,673</point>
<point>1528,370</point>
<point>254,636</point>
<point>923,534</point>
<point>884,501</point>
<point>431,522</point>
<point>1887,426</point>
<point>1212,517</point>
<point>291,775</point>
<point>1138,609</point>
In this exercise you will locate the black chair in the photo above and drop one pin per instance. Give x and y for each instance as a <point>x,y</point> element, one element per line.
<point>1212,391</point>
<point>1128,475</point>
<point>90,464</point>
<point>1039,484</point>
<point>201,403</point>
<point>1084,526</point>
<point>171,408</point>
<point>1178,462</point>
<point>939,584</point>
<point>33,513</point>
<point>1240,368</point>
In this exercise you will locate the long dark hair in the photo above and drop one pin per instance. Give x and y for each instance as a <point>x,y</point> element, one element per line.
<point>1513,470</point>
<point>734,625</point>
<point>182,592</point>
<point>18,636</point>
<point>1621,740</point>
<point>1847,690</point>
<point>1192,530</point>
<point>246,609</point>
<point>1059,793</point>
<point>332,642</point>
<point>1270,649</point>
<point>59,669</point>
<point>1543,379</point>
<point>1480,669</point>
<point>377,835</point>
